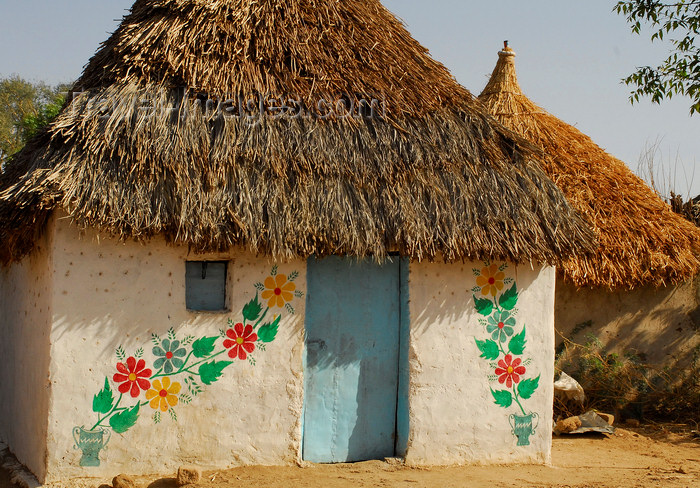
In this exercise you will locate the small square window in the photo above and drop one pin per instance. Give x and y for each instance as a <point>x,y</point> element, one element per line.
<point>205,283</point>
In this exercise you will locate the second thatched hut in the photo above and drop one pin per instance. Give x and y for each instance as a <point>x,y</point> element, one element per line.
<point>636,293</point>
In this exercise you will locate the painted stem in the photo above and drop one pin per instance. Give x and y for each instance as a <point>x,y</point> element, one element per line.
<point>261,318</point>
<point>109,414</point>
<point>188,369</point>
<point>515,395</point>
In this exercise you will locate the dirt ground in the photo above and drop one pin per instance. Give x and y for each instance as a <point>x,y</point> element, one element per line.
<point>648,456</point>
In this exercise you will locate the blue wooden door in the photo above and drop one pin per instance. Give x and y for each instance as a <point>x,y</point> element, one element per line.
<point>352,360</point>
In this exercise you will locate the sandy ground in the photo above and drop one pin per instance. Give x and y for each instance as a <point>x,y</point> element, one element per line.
<point>644,457</point>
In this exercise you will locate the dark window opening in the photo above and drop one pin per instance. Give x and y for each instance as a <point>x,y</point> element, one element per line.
<point>205,283</point>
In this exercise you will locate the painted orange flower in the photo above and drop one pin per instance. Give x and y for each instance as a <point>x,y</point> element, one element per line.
<point>163,395</point>
<point>278,290</point>
<point>490,280</point>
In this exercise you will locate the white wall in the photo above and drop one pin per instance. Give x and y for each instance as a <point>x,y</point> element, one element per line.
<point>108,294</point>
<point>452,412</point>
<point>25,318</point>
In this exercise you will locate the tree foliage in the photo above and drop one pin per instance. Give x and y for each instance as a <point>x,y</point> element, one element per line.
<point>25,108</point>
<point>679,23</point>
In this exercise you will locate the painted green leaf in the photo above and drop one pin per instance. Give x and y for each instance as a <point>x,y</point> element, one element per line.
<point>483,305</point>
<point>102,402</point>
<point>124,420</point>
<point>527,387</point>
<point>212,371</point>
<point>509,299</point>
<point>488,348</point>
<point>252,309</point>
<point>204,347</point>
<point>503,398</point>
<point>517,343</point>
<point>268,332</point>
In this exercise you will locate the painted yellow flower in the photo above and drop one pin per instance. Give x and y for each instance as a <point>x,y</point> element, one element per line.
<point>490,280</point>
<point>278,290</point>
<point>163,395</point>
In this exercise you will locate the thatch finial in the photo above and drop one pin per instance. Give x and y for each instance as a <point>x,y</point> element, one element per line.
<point>504,79</point>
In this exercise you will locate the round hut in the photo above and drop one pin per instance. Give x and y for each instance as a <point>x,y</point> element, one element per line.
<point>266,231</point>
<point>635,293</point>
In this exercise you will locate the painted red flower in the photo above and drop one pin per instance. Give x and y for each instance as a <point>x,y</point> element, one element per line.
<point>241,341</point>
<point>509,371</point>
<point>132,376</point>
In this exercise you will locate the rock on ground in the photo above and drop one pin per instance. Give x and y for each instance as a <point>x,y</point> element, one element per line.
<point>123,481</point>
<point>567,425</point>
<point>187,475</point>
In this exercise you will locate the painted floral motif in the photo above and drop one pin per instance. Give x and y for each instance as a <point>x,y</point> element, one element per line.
<point>509,371</point>
<point>500,326</point>
<point>505,347</point>
<point>241,341</point>
<point>278,291</point>
<point>490,280</point>
<point>163,395</point>
<point>169,354</point>
<point>133,376</point>
<point>183,366</point>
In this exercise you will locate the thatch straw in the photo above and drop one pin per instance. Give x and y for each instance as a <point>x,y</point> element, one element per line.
<point>641,240</point>
<point>431,174</point>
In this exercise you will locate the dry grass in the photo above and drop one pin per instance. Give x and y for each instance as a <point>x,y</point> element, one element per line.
<point>433,176</point>
<point>642,241</point>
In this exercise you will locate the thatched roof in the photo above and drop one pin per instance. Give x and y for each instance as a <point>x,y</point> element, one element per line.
<point>428,174</point>
<point>641,240</point>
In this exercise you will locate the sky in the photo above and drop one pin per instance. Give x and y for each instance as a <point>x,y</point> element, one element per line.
<point>571,58</point>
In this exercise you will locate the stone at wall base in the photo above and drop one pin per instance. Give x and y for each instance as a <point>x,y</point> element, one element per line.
<point>123,481</point>
<point>188,475</point>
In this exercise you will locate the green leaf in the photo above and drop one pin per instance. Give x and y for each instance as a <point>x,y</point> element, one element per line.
<point>489,349</point>
<point>509,299</point>
<point>124,420</point>
<point>211,372</point>
<point>252,309</point>
<point>517,344</point>
<point>483,305</point>
<point>268,332</point>
<point>527,387</point>
<point>204,347</point>
<point>102,402</point>
<point>503,398</point>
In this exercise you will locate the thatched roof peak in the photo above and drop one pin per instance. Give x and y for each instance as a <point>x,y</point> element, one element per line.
<point>642,241</point>
<point>306,168</point>
<point>308,49</point>
<point>504,78</point>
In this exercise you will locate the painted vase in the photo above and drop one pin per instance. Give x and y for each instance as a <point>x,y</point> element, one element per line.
<point>91,442</point>
<point>523,427</point>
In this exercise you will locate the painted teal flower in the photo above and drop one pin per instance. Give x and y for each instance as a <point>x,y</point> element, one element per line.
<point>169,355</point>
<point>500,326</point>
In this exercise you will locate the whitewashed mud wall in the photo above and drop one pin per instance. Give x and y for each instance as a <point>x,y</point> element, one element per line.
<point>25,322</point>
<point>462,408</point>
<point>481,362</point>
<point>111,295</point>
